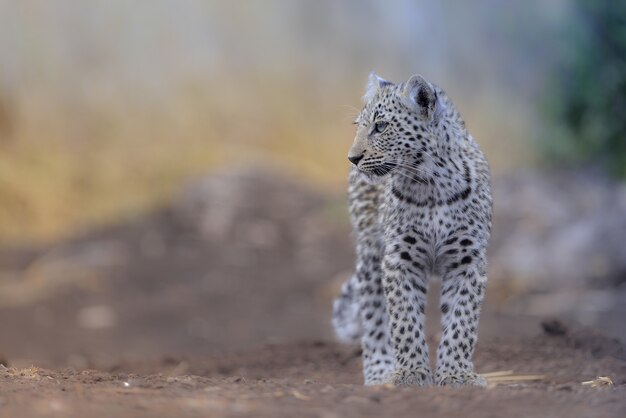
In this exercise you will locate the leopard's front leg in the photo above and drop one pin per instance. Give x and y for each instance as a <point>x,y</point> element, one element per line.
<point>405,284</point>
<point>462,294</point>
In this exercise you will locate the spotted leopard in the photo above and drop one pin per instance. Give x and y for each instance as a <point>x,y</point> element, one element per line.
<point>420,204</point>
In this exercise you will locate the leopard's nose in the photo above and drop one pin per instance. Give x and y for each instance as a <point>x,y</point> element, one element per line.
<point>355,160</point>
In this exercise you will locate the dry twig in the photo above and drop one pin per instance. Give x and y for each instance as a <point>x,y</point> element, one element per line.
<point>599,382</point>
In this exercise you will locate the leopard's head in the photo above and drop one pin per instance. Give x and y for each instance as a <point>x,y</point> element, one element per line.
<point>397,126</point>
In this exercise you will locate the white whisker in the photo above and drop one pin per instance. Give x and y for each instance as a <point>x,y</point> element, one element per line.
<point>414,168</point>
<point>415,179</point>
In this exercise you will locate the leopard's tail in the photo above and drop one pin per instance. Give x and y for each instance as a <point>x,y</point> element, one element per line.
<point>346,314</point>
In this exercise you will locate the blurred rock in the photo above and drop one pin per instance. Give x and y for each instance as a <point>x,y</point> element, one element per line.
<point>97,317</point>
<point>556,228</point>
<point>245,205</point>
<point>152,245</point>
<point>554,327</point>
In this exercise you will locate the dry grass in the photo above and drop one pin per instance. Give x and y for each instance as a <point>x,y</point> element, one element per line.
<point>71,161</point>
<point>60,173</point>
<point>507,377</point>
<point>600,381</point>
<point>30,373</point>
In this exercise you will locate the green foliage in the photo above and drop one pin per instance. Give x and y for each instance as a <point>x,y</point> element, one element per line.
<point>587,95</point>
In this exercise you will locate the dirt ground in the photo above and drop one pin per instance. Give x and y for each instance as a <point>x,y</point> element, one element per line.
<point>166,314</point>
<point>323,379</point>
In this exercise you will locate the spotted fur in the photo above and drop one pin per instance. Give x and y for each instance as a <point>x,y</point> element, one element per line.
<point>420,204</point>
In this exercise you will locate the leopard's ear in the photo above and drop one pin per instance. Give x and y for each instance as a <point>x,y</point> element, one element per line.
<point>374,83</point>
<point>418,95</point>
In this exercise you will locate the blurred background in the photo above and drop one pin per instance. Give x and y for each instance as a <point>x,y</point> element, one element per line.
<point>172,173</point>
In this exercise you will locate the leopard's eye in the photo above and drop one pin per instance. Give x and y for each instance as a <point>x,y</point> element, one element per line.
<point>380,127</point>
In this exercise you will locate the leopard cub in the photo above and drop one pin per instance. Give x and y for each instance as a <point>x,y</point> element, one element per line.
<point>420,204</point>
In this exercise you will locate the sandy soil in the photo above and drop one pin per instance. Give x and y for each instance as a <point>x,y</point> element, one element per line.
<point>158,316</point>
<point>323,379</point>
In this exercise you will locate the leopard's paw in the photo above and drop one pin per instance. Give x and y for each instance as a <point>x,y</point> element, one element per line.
<point>458,380</point>
<point>420,376</point>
